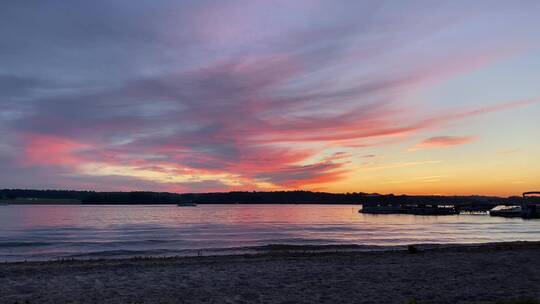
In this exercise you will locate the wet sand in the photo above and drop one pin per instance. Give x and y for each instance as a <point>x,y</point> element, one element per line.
<point>462,274</point>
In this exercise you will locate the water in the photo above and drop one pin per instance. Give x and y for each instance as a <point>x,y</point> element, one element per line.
<point>51,232</point>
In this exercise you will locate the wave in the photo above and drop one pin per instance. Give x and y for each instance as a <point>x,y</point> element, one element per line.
<point>119,252</point>
<point>24,244</point>
<point>269,248</point>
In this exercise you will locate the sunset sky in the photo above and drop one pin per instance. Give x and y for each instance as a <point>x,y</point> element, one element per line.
<point>418,97</point>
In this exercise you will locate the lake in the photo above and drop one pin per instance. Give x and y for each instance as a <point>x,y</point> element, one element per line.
<point>44,232</point>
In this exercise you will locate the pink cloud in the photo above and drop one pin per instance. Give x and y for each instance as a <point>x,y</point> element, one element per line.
<point>234,128</point>
<point>443,142</point>
<point>251,115</point>
<point>46,150</point>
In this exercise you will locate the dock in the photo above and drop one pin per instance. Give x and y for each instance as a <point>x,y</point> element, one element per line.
<point>414,209</point>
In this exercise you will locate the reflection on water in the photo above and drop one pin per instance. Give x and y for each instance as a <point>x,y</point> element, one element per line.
<point>46,232</point>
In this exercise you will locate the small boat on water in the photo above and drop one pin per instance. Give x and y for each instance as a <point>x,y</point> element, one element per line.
<point>506,211</point>
<point>187,204</point>
<point>475,209</point>
<point>529,209</point>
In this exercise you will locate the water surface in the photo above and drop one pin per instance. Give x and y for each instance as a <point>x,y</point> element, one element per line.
<point>81,231</point>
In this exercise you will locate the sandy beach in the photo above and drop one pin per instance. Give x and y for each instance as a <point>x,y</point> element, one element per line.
<point>462,274</point>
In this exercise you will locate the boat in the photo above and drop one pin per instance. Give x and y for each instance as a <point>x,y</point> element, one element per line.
<point>187,204</point>
<point>432,210</point>
<point>475,209</point>
<point>506,211</point>
<point>529,209</point>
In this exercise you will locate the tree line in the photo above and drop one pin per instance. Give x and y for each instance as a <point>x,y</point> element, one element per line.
<point>250,197</point>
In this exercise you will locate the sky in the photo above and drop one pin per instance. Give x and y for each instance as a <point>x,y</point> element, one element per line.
<point>417,97</point>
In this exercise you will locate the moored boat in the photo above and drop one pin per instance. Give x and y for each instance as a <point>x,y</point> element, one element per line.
<point>529,209</point>
<point>432,210</point>
<point>475,209</point>
<point>506,211</point>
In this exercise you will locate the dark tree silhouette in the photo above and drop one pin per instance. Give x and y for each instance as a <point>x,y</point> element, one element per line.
<point>254,197</point>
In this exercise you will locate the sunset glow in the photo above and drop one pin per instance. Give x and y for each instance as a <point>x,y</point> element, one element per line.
<point>339,96</point>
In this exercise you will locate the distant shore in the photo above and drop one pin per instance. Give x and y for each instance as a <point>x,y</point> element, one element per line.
<point>252,197</point>
<point>40,201</point>
<point>484,273</point>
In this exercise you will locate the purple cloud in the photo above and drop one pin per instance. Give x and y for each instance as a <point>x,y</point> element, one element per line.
<point>219,96</point>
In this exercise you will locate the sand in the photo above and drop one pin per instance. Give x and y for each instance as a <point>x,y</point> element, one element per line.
<point>462,274</point>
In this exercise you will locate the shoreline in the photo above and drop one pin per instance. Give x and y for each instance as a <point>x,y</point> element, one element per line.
<point>276,250</point>
<point>281,249</point>
<point>471,273</point>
